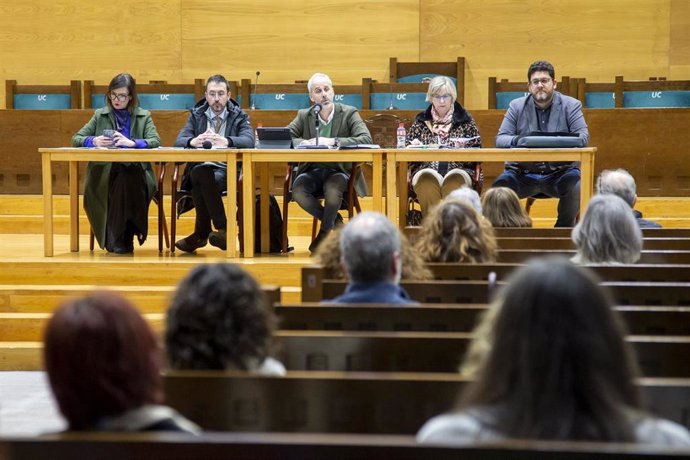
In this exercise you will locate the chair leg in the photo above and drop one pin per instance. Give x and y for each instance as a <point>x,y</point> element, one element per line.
<point>240,213</point>
<point>528,204</point>
<point>91,238</point>
<point>161,214</point>
<point>173,205</point>
<point>314,222</point>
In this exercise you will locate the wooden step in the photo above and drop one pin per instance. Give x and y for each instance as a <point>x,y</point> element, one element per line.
<point>21,356</point>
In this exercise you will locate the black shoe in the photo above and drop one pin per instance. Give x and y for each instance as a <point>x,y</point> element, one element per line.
<point>190,243</point>
<point>123,245</point>
<point>317,241</point>
<point>219,239</point>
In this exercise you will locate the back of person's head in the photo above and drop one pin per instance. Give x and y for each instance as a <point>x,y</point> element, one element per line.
<point>559,367</point>
<point>218,319</point>
<point>328,256</point>
<point>102,359</point>
<point>369,248</point>
<point>541,66</point>
<point>454,232</point>
<point>501,206</point>
<point>608,232</point>
<point>618,182</point>
<point>468,194</point>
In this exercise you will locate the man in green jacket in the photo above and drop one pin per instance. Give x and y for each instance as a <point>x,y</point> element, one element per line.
<point>340,125</point>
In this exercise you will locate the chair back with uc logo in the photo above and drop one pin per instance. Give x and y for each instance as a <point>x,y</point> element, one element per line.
<point>156,95</point>
<point>42,97</point>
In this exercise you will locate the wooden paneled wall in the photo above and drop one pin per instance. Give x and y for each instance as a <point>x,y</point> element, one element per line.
<point>287,40</point>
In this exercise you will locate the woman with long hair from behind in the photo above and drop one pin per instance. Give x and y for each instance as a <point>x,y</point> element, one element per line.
<point>558,368</point>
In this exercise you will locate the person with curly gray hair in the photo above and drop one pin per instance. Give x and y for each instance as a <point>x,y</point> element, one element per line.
<point>621,183</point>
<point>219,319</point>
<point>608,233</point>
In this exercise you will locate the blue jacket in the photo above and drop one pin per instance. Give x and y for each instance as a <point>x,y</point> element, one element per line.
<point>380,292</point>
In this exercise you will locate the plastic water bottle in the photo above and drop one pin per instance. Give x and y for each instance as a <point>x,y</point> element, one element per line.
<point>401,135</point>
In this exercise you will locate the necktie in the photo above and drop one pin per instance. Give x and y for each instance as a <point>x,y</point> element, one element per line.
<point>219,123</point>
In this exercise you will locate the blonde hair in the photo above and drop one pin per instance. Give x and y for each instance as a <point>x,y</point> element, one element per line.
<point>501,206</point>
<point>454,232</point>
<point>442,85</point>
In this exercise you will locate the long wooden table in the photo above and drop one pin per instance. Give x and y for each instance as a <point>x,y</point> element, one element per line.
<point>264,156</point>
<point>402,156</point>
<point>76,155</point>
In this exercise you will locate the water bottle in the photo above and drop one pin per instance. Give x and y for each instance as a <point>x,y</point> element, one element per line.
<point>401,135</point>
<point>257,144</point>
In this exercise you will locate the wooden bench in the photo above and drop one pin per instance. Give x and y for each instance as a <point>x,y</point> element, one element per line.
<point>662,256</point>
<point>334,402</point>
<point>366,351</point>
<point>640,320</point>
<point>564,232</point>
<point>284,446</point>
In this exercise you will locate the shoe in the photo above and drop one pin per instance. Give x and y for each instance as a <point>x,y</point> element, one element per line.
<point>317,241</point>
<point>219,239</point>
<point>123,245</point>
<point>190,243</point>
<point>116,249</point>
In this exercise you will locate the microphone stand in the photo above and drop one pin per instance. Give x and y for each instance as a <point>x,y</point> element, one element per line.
<point>317,126</point>
<point>390,91</point>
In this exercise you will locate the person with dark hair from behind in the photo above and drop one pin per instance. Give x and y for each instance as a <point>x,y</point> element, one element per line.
<point>218,122</point>
<point>608,233</point>
<point>454,232</point>
<point>370,256</point>
<point>558,368</point>
<point>219,319</point>
<point>543,109</point>
<point>621,183</point>
<point>104,367</point>
<point>501,206</point>
<point>117,195</point>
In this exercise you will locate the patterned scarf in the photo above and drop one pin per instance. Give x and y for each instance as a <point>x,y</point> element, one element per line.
<point>438,125</point>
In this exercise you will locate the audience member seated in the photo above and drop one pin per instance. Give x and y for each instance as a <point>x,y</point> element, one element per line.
<point>621,183</point>
<point>117,195</point>
<point>468,194</point>
<point>103,364</point>
<point>608,233</point>
<point>545,110</point>
<point>340,125</point>
<point>216,121</point>
<point>454,232</point>
<point>444,122</point>
<point>559,368</point>
<point>370,255</point>
<point>502,208</point>
<point>219,319</point>
<point>328,256</point>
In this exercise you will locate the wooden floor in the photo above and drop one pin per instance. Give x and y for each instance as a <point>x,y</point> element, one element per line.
<point>31,284</point>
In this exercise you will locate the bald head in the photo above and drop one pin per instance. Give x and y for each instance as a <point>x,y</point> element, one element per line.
<point>370,248</point>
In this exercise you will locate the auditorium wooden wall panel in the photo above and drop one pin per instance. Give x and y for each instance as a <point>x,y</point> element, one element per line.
<point>290,40</point>
<point>54,42</point>
<point>599,40</point>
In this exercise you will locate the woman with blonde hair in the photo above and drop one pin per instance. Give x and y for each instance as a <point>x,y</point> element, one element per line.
<point>454,232</point>
<point>501,206</point>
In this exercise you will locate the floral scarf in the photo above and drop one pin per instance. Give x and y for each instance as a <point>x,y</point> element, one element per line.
<point>438,125</point>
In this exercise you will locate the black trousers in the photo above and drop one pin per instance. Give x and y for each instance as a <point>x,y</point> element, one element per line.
<point>128,206</point>
<point>208,184</point>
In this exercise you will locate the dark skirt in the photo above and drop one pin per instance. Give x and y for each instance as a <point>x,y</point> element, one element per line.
<point>128,206</point>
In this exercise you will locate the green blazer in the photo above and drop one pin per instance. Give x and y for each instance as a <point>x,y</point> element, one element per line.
<point>98,172</point>
<point>348,127</point>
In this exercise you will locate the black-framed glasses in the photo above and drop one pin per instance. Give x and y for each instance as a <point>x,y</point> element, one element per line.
<point>119,97</point>
<point>540,81</point>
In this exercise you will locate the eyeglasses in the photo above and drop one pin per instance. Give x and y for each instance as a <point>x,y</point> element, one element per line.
<point>441,97</point>
<point>542,81</point>
<point>213,94</point>
<point>119,97</point>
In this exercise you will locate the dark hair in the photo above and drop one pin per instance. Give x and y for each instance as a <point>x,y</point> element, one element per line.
<point>368,244</point>
<point>124,80</point>
<point>218,319</point>
<point>218,79</point>
<point>559,367</point>
<point>541,66</point>
<point>453,231</point>
<point>102,359</point>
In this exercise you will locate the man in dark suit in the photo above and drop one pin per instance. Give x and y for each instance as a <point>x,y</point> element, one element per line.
<point>543,109</point>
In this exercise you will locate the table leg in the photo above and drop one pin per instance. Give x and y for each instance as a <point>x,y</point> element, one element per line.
<point>231,205</point>
<point>377,183</point>
<point>402,194</point>
<point>391,192</point>
<point>74,206</point>
<point>264,191</point>
<point>47,205</point>
<point>586,180</point>
<point>248,197</point>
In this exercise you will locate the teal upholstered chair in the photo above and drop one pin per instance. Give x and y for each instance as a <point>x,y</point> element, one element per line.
<point>42,97</point>
<point>422,72</point>
<point>156,95</point>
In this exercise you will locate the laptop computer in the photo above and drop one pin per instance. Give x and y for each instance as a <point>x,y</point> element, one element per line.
<point>543,139</point>
<point>274,138</point>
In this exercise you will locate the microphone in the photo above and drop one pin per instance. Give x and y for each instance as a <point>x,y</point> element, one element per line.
<point>256,83</point>
<point>390,91</point>
<point>207,144</point>
<point>316,108</point>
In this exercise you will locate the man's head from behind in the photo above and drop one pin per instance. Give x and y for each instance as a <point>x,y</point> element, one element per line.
<point>370,249</point>
<point>618,182</point>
